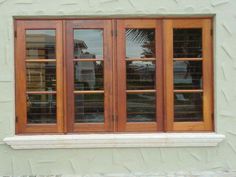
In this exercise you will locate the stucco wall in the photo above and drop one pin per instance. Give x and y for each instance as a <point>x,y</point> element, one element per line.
<point>81,161</point>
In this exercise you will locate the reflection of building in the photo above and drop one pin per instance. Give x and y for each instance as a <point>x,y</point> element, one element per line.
<point>85,74</point>
<point>40,77</point>
<point>40,46</point>
<point>79,46</point>
<point>84,71</point>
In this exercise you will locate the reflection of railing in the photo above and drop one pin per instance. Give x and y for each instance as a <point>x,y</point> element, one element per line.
<point>141,107</point>
<point>47,51</point>
<point>42,111</point>
<point>141,74</point>
<point>188,105</point>
<point>89,108</point>
<point>41,77</point>
<point>188,74</point>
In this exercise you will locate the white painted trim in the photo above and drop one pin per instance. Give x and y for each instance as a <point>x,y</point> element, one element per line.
<point>114,140</point>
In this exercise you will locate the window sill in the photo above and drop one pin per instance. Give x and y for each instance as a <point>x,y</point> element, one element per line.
<point>114,140</point>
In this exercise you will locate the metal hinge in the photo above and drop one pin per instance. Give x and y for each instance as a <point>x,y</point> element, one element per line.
<point>114,32</point>
<point>15,34</point>
<point>211,32</point>
<point>16,119</point>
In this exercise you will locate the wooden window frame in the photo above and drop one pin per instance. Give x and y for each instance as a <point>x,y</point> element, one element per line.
<point>207,90</point>
<point>105,25</point>
<point>20,76</point>
<point>114,71</point>
<point>123,125</point>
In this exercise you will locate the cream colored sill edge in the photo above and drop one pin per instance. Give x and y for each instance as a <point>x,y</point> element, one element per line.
<point>114,140</point>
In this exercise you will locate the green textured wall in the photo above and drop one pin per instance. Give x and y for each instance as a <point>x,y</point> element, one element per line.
<point>82,161</point>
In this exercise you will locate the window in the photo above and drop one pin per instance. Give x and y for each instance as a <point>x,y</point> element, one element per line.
<point>188,71</point>
<point>113,75</point>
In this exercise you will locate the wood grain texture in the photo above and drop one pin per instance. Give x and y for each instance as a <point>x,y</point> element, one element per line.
<point>123,125</point>
<point>106,26</point>
<point>20,67</point>
<point>115,92</point>
<point>168,75</point>
<point>206,26</point>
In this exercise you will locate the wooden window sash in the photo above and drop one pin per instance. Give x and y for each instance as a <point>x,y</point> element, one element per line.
<point>114,75</point>
<point>20,61</point>
<point>206,26</point>
<point>123,125</point>
<point>106,26</point>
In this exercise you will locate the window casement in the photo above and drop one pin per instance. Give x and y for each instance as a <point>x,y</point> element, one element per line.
<point>113,75</point>
<point>188,46</point>
<point>39,77</point>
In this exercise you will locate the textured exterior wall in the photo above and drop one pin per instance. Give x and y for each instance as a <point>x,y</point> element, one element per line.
<point>83,161</point>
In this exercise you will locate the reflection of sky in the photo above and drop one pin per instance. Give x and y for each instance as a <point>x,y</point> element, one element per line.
<point>135,40</point>
<point>93,39</point>
<point>133,49</point>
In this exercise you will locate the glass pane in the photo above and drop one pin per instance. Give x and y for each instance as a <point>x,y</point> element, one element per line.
<point>41,109</point>
<point>41,76</point>
<point>88,43</point>
<point>141,107</point>
<point>187,43</point>
<point>188,74</point>
<point>88,75</point>
<point>188,107</point>
<point>140,43</point>
<point>40,44</point>
<point>89,108</point>
<point>140,75</point>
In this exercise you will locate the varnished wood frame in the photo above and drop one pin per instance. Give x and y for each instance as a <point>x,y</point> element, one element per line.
<point>207,123</point>
<point>20,77</point>
<point>106,26</point>
<point>123,125</point>
<point>168,24</point>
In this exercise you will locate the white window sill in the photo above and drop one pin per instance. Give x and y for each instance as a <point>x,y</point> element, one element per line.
<point>114,140</point>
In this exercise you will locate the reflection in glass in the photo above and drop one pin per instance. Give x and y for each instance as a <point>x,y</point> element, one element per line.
<point>88,75</point>
<point>187,43</point>
<point>41,109</point>
<point>140,43</point>
<point>40,44</point>
<point>140,75</point>
<point>41,76</point>
<point>89,108</point>
<point>88,43</point>
<point>188,74</point>
<point>141,107</point>
<point>188,107</point>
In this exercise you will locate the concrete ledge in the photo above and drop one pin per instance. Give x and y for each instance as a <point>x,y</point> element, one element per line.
<point>114,140</point>
<point>160,174</point>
